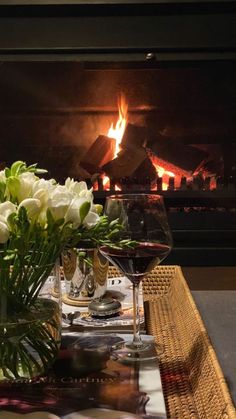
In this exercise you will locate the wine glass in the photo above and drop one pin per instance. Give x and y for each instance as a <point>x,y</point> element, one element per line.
<point>144,220</point>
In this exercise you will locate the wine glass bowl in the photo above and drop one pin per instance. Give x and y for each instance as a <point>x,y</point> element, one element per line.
<point>144,241</point>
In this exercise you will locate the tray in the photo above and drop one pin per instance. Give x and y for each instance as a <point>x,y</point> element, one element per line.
<point>192,379</point>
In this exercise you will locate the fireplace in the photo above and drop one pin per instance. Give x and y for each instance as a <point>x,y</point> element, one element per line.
<point>163,75</point>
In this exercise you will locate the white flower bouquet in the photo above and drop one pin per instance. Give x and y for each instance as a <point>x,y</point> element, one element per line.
<point>39,218</point>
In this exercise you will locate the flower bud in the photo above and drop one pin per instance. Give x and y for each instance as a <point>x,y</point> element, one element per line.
<point>33,207</point>
<point>59,202</point>
<point>7,208</point>
<point>4,233</point>
<point>91,219</point>
<point>98,208</point>
<point>27,181</point>
<point>42,195</point>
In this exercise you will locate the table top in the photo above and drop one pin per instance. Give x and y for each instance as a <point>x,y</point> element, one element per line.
<point>217,308</point>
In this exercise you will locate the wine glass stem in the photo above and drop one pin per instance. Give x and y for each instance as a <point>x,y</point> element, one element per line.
<point>137,341</point>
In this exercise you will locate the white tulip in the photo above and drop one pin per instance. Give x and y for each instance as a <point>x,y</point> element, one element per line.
<point>59,202</point>
<point>2,176</point>
<point>91,219</point>
<point>33,207</point>
<point>42,189</point>
<point>42,195</point>
<point>7,208</point>
<point>88,194</point>
<point>27,181</point>
<point>4,232</point>
<point>2,219</point>
<point>46,185</point>
<point>79,189</point>
<point>70,184</point>
<point>73,213</point>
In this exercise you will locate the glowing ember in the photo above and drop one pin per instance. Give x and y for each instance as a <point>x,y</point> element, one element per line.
<point>164,174</point>
<point>106,182</point>
<point>118,130</point>
<point>161,171</point>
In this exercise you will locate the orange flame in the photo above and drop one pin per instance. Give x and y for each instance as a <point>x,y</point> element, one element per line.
<point>165,174</point>
<point>161,171</point>
<point>105,182</point>
<point>118,130</point>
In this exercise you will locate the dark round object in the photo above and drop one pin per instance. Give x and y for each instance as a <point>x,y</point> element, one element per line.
<point>103,307</point>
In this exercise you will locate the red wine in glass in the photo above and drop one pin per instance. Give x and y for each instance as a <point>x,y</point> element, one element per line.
<point>144,224</point>
<point>135,263</point>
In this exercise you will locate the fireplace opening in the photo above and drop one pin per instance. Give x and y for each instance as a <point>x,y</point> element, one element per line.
<point>168,129</point>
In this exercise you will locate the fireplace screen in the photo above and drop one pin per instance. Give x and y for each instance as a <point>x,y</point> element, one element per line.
<point>130,126</point>
<point>136,128</point>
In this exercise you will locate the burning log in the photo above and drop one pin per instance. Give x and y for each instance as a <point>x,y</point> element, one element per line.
<point>100,183</point>
<point>171,185</point>
<point>126,163</point>
<point>175,157</point>
<point>100,153</point>
<point>134,136</point>
<point>198,182</point>
<point>146,173</point>
<point>132,166</point>
<point>207,183</point>
<point>183,183</point>
<point>82,174</point>
<point>133,169</point>
<point>112,184</point>
<point>159,183</point>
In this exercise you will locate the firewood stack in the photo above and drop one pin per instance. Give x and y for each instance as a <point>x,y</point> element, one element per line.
<point>133,167</point>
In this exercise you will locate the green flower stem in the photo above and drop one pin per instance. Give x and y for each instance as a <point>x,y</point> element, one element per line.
<point>28,349</point>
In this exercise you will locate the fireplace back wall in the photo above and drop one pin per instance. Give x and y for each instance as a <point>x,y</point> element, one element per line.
<point>63,68</point>
<point>55,111</point>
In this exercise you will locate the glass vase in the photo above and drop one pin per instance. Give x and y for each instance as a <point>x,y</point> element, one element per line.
<point>30,333</point>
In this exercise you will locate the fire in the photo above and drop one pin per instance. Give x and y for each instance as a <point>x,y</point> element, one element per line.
<point>161,171</point>
<point>164,174</point>
<point>106,182</point>
<point>118,130</point>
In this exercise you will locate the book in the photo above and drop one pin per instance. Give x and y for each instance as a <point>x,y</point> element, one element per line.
<point>87,382</point>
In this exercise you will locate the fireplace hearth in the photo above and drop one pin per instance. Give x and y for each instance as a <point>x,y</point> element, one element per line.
<point>131,97</point>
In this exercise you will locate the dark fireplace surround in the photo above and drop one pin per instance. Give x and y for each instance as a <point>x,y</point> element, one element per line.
<point>62,67</point>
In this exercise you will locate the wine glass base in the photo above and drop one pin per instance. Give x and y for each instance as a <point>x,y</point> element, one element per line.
<point>127,352</point>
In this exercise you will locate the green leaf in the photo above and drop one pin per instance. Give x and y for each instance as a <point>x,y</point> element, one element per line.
<point>11,219</point>
<point>59,222</point>
<point>113,233</point>
<point>33,168</point>
<point>82,255</point>
<point>84,210</point>
<point>10,256</point>
<point>7,172</point>
<point>16,167</point>
<point>40,171</point>
<point>23,220</point>
<point>50,218</point>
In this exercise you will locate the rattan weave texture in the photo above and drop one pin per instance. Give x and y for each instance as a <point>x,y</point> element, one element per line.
<point>193,382</point>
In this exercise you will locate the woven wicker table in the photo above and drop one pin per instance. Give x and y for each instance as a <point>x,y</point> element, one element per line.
<point>193,382</point>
